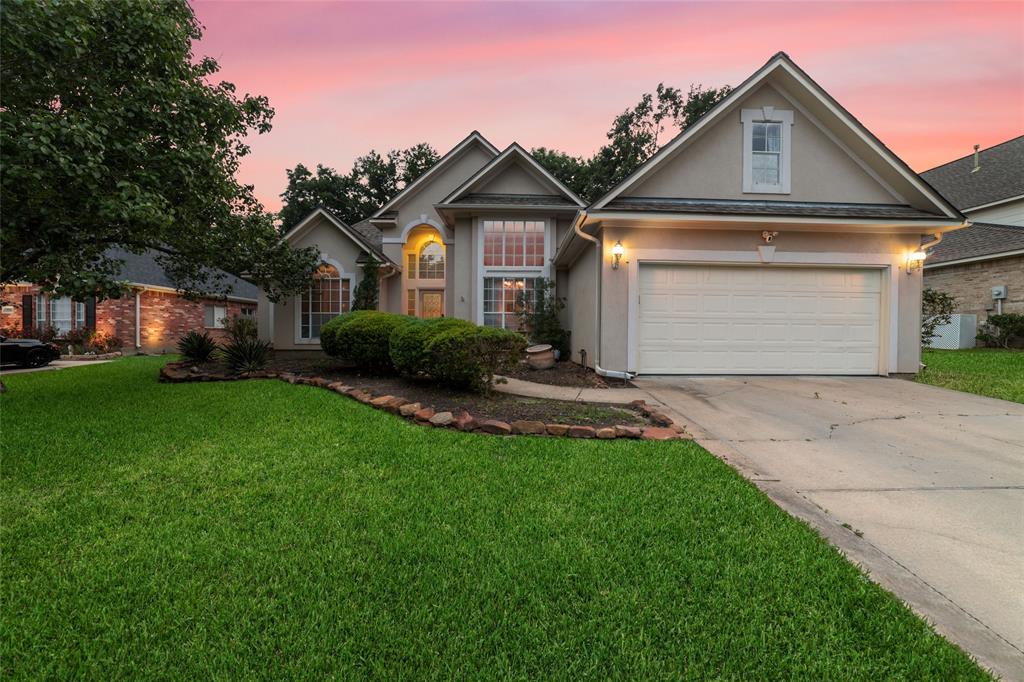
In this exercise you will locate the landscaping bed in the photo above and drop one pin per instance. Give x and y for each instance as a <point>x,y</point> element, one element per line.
<point>426,402</point>
<point>566,374</point>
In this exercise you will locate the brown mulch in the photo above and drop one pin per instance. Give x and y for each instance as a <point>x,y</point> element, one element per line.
<point>500,406</point>
<point>567,374</point>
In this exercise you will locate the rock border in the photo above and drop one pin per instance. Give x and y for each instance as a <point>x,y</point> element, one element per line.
<point>92,356</point>
<point>661,427</point>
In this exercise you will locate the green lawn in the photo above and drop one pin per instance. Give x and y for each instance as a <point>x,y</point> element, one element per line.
<point>986,371</point>
<point>263,530</point>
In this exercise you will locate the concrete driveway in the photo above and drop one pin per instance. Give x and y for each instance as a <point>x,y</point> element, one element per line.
<point>932,479</point>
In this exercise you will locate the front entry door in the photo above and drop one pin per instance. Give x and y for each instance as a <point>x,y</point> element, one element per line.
<point>431,304</point>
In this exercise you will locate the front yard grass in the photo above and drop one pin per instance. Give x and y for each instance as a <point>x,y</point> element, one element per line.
<point>262,530</point>
<point>994,372</point>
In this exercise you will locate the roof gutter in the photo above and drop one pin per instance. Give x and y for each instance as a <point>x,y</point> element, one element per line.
<point>615,374</point>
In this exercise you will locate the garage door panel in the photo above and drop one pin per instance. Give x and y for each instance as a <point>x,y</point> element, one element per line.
<point>751,320</point>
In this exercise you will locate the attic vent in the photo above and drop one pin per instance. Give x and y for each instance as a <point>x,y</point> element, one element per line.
<point>977,160</point>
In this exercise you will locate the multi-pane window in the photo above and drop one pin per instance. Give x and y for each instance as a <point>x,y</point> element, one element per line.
<point>410,302</point>
<point>327,296</point>
<point>248,312</point>
<point>431,261</point>
<point>60,314</point>
<point>215,316</point>
<point>502,296</point>
<point>766,153</point>
<point>513,243</point>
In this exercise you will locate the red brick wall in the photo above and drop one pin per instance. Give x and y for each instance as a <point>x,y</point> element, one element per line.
<point>164,317</point>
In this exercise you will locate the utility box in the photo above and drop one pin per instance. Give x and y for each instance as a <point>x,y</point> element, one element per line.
<point>999,292</point>
<point>959,333</point>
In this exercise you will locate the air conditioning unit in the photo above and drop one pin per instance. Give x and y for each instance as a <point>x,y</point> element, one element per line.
<point>959,333</point>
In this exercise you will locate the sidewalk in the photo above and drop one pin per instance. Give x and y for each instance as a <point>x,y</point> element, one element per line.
<point>530,389</point>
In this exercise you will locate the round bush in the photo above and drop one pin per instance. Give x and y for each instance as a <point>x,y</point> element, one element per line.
<point>465,355</point>
<point>409,343</point>
<point>363,338</point>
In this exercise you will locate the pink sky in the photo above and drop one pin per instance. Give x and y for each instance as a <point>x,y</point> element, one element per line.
<point>929,79</point>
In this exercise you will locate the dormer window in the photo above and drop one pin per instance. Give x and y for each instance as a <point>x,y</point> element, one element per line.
<point>766,150</point>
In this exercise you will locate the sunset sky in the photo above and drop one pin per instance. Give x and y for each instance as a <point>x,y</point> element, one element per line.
<point>930,79</point>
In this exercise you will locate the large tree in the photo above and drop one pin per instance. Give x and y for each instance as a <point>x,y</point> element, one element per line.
<point>115,134</point>
<point>636,134</point>
<point>374,179</point>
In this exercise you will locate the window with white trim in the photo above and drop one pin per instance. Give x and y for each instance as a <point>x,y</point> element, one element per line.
<point>766,150</point>
<point>327,297</point>
<point>431,261</point>
<point>215,316</point>
<point>502,296</point>
<point>513,243</point>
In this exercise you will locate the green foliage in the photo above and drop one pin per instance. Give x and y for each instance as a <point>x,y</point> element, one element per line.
<point>197,346</point>
<point>115,134</point>
<point>1002,330</point>
<point>240,328</point>
<point>635,135</point>
<point>362,337</point>
<point>994,372</point>
<point>937,308</point>
<point>246,354</point>
<point>373,181</point>
<point>468,356</point>
<point>367,293</point>
<point>538,314</point>
<point>408,343</point>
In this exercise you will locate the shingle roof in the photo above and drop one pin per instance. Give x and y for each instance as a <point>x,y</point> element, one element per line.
<point>980,239</point>
<point>1000,176</point>
<point>779,208</point>
<point>514,200</point>
<point>373,237</point>
<point>143,268</point>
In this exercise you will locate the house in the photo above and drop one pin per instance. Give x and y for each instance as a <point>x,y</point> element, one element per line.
<point>988,187</point>
<point>774,236</point>
<point>150,319</point>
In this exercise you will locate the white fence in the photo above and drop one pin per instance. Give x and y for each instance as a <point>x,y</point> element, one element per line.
<point>959,333</point>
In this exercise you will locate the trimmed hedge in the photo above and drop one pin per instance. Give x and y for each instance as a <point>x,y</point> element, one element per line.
<point>409,342</point>
<point>362,337</point>
<point>456,352</point>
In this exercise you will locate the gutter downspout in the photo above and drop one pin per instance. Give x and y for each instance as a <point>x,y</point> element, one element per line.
<point>138,317</point>
<point>615,374</point>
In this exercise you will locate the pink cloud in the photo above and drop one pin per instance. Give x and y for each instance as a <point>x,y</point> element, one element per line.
<point>929,79</point>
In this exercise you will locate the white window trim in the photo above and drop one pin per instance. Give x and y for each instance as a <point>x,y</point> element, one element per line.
<point>767,115</point>
<point>504,271</point>
<point>218,323</point>
<point>342,275</point>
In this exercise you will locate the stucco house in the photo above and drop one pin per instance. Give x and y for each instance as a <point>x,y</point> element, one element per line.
<point>150,318</point>
<point>988,187</point>
<point>774,236</point>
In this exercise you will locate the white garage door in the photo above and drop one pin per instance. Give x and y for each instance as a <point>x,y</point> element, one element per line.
<point>758,320</point>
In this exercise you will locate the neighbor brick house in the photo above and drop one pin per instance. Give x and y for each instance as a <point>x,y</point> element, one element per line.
<point>150,318</point>
<point>776,235</point>
<point>988,187</point>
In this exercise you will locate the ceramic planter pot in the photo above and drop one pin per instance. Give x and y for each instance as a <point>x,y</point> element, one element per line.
<point>540,357</point>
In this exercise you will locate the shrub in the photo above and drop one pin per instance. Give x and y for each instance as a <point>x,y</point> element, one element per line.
<point>363,338</point>
<point>80,338</point>
<point>470,356</point>
<point>104,343</point>
<point>936,310</point>
<point>240,328</point>
<point>196,346</point>
<point>538,314</point>
<point>246,354</point>
<point>409,342</point>
<point>367,293</point>
<point>1002,330</point>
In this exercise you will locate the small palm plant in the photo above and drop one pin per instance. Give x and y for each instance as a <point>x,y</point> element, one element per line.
<point>196,346</point>
<point>245,355</point>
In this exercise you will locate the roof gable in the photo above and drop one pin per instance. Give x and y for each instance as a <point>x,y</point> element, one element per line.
<point>999,176</point>
<point>789,81</point>
<point>356,235</point>
<point>513,173</point>
<point>471,140</point>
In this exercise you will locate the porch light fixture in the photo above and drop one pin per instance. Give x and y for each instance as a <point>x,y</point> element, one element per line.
<point>617,252</point>
<point>915,261</point>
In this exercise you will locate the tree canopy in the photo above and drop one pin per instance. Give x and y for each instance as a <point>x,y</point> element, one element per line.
<point>114,133</point>
<point>374,179</point>
<point>636,134</point>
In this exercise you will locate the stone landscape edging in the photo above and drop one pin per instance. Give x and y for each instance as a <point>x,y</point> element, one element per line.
<point>661,427</point>
<point>91,356</point>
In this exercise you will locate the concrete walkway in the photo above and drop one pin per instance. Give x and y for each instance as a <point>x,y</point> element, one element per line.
<point>56,364</point>
<point>530,389</point>
<point>931,479</point>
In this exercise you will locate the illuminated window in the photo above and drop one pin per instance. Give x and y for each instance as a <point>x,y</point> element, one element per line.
<point>431,261</point>
<point>410,302</point>
<point>327,297</point>
<point>501,299</point>
<point>513,243</point>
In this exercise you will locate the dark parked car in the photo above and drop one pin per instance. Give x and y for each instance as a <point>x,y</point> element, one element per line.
<point>27,352</point>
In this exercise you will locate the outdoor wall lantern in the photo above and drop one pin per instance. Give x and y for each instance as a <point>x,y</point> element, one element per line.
<point>915,261</point>
<point>617,252</point>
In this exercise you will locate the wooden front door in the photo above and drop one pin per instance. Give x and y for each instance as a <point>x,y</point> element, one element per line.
<point>431,304</point>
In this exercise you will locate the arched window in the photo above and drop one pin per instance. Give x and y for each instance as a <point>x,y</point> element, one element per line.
<point>327,296</point>
<point>431,264</point>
